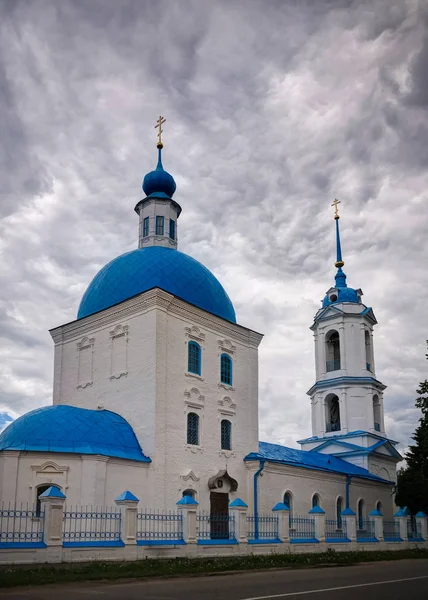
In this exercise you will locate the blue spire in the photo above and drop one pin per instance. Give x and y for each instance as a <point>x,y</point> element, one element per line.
<point>159,183</point>
<point>340,276</point>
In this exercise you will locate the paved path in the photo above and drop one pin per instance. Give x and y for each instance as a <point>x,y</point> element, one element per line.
<point>406,579</point>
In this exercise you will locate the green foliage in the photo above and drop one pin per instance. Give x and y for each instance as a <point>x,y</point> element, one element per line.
<point>412,482</point>
<point>42,574</point>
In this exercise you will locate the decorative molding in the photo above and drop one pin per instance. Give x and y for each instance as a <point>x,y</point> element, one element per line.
<point>226,453</point>
<point>194,449</point>
<point>227,406</point>
<point>119,375</point>
<point>85,362</point>
<point>194,376</point>
<point>226,387</point>
<point>194,333</point>
<point>119,331</point>
<point>49,466</point>
<point>226,346</point>
<point>119,352</point>
<point>82,386</point>
<point>190,475</point>
<point>85,342</point>
<point>194,398</point>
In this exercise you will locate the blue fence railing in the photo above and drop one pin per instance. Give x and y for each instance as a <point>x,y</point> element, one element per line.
<point>336,532</point>
<point>20,524</point>
<point>302,528</point>
<point>262,527</point>
<point>214,527</point>
<point>414,531</point>
<point>391,531</point>
<point>91,526</point>
<point>366,530</point>
<point>157,527</point>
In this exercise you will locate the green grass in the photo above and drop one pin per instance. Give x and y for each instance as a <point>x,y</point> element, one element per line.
<point>42,574</point>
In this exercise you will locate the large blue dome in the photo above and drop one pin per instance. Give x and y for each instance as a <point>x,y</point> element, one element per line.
<point>63,428</point>
<point>146,268</point>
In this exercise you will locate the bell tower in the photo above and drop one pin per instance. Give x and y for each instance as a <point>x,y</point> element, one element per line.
<point>346,398</point>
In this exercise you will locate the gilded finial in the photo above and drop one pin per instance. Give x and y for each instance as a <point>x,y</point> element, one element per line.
<point>336,208</point>
<point>158,126</point>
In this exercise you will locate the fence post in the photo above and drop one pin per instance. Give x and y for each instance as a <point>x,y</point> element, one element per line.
<point>351,524</point>
<point>319,518</point>
<point>377,517</point>
<point>283,521</point>
<point>128,522</point>
<point>187,507</point>
<point>401,517</point>
<point>238,509</point>
<point>422,518</point>
<point>52,502</point>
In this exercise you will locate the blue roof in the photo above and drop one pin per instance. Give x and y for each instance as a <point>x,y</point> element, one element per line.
<point>309,460</point>
<point>63,428</point>
<point>147,268</point>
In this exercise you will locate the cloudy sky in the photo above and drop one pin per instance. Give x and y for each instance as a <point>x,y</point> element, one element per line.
<point>273,108</point>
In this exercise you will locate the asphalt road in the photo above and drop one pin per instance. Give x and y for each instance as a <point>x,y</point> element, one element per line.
<point>406,579</point>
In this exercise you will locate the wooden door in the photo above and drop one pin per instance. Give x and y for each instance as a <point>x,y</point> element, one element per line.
<point>219,516</point>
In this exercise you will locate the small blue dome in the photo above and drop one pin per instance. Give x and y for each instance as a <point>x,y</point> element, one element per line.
<point>63,428</point>
<point>159,183</point>
<point>341,293</point>
<point>146,268</point>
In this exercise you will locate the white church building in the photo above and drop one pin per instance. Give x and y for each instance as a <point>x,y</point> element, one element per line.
<point>156,391</point>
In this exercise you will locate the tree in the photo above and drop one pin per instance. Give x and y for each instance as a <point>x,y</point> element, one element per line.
<point>412,481</point>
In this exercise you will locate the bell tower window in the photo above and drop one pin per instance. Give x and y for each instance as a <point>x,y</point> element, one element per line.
<point>172,229</point>
<point>146,227</point>
<point>332,351</point>
<point>159,225</point>
<point>367,342</point>
<point>376,412</point>
<point>332,413</point>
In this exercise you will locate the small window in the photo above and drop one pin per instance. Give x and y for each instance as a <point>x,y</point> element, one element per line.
<point>288,501</point>
<point>226,435</point>
<point>190,493</point>
<point>193,429</point>
<point>339,508</point>
<point>172,229</point>
<point>226,369</point>
<point>146,227</point>
<point>39,491</point>
<point>379,506</point>
<point>159,225</point>
<point>194,358</point>
<point>315,500</point>
<point>360,514</point>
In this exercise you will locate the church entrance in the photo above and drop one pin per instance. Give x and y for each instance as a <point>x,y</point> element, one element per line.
<point>219,515</point>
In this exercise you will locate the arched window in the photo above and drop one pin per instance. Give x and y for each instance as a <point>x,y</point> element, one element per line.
<point>226,369</point>
<point>226,435</point>
<point>194,358</point>
<point>339,508</point>
<point>190,493</point>
<point>367,343</point>
<point>379,506</point>
<point>360,514</point>
<point>315,500</point>
<point>332,351</point>
<point>376,412</point>
<point>332,413</point>
<point>288,501</point>
<point>193,429</point>
<point>39,491</point>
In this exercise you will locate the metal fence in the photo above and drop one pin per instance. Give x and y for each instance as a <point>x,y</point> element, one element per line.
<point>414,531</point>
<point>154,526</point>
<point>302,528</point>
<point>262,527</point>
<point>215,527</point>
<point>20,524</point>
<point>391,531</point>
<point>365,530</point>
<point>336,532</point>
<point>91,526</point>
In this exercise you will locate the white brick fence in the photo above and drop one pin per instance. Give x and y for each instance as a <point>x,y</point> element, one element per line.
<point>57,533</point>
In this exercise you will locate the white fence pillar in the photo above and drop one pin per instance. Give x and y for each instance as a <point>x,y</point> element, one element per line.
<point>318,515</point>
<point>238,509</point>
<point>351,524</point>
<point>187,506</point>
<point>128,523</point>
<point>283,513</point>
<point>52,504</point>
<point>377,518</point>
<point>422,520</point>
<point>401,517</point>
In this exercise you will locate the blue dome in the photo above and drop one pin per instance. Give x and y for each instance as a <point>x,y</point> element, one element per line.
<point>341,292</point>
<point>63,428</point>
<point>159,183</point>
<point>147,268</point>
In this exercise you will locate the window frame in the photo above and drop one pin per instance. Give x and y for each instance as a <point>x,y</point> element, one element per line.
<point>226,436</point>
<point>191,415</point>
<point>160,225</point>
<point>146,226</point>
<point>228,361</point>
<point>172,229</point>
<point>198,367</point>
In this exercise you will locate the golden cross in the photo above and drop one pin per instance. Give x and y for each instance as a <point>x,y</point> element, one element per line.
<point>336,208</point>
<point>158,125</point>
